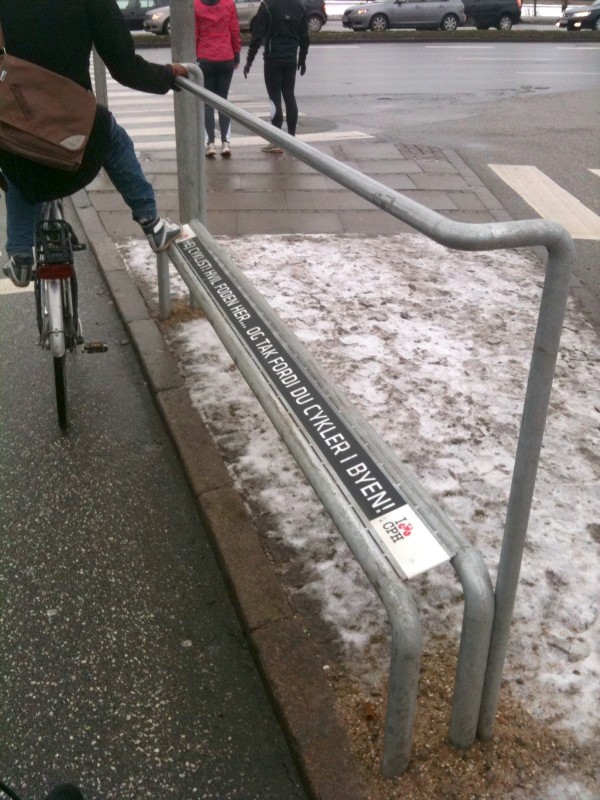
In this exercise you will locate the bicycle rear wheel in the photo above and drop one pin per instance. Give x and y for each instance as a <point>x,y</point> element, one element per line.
<point>60,385</point>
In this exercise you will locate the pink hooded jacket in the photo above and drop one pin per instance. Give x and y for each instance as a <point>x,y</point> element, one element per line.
<point>217,31</point>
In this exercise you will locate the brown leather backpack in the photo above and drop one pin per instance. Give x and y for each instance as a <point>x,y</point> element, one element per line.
<point>44,117</point>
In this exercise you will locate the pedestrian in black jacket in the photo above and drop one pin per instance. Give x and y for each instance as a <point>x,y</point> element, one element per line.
<point>282,26</point>
<point>58,35</point>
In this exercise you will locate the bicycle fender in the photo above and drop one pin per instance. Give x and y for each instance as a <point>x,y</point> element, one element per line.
<point>56,328</point>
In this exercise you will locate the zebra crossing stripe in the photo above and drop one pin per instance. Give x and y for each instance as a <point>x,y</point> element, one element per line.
<point>134,109</point>
<point>550,200</point>
<point>250,141</point>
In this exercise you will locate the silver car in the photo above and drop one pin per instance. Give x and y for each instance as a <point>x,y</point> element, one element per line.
<point>384,14</point>
<point>159,20</point>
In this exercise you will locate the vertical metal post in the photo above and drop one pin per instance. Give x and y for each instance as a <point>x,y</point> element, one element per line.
<point>164,288</point>
<point>478,617</point>
<point>403,685</point>
<point>198,175</point>
<point>188,136</point>
<point>199,171</point>
<point>100,88</point>
<point>535,409</point>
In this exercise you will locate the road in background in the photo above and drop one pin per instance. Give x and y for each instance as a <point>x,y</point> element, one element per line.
<point>494,103</point>
<point>518,104</point>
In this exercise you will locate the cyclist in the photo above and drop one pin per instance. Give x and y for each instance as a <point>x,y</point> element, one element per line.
<point>58,35</point>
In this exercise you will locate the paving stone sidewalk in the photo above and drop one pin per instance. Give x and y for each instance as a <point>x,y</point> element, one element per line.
<point>256,192</point>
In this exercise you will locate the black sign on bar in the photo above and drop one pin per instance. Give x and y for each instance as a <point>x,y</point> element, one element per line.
<point>408,543</point>
<point>370,489</point>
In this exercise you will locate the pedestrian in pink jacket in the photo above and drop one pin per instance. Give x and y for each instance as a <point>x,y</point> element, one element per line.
<point>218,47</point>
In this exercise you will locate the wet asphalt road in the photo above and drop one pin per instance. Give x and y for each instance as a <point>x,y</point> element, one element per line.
<point>123,666</point>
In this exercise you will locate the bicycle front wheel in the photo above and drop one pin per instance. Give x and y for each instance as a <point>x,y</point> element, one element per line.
<point>60,385</point>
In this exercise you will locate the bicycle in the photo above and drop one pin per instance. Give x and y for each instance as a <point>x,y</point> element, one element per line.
<point>56,298</point>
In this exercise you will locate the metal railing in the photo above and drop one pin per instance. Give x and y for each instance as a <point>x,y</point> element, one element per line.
<point>464,236</point>
<point>487,615</point>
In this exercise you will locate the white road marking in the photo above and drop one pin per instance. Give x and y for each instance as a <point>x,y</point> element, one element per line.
<point>8,287</point>
<point>137,134</point>
<point>249,141</point>
<point>571,74</point>
<point>596,172</point>
<point>133,109</point>
<point>502,58</point>
<point>550,200</point>
<point>155,130</point>
<point>141,119</point>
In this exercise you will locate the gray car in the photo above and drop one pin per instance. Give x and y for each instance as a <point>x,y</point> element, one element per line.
<point>158,20</point>
<point>135,12</point>
<point>384,14</point>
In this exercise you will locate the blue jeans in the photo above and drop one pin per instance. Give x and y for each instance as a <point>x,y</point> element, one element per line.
<point>124,170</point>
<point>217,79</point>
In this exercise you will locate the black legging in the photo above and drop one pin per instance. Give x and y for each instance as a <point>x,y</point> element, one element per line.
<point>217,79</point>
<point>280,79</point>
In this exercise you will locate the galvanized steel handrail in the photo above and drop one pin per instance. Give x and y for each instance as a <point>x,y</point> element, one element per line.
<point>466,236</point>
<point>468,563</point>
<point>467,712</point>
<point>394,594</point>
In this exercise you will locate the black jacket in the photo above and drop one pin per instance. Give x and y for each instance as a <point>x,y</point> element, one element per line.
<point>283,27</point>
<point>58,35</point>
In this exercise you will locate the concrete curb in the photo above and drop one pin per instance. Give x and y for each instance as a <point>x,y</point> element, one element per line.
<point>288,661</point>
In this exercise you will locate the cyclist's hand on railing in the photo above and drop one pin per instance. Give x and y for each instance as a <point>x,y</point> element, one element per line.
<point>302,68</point>
<point>179,71</point>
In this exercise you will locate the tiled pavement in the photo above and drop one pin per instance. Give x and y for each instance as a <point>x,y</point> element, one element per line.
<point>255,192</point>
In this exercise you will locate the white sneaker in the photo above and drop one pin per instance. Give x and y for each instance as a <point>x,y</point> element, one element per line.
<point>19,269</point>
<point>225,150</point>
<point>211,150</point>
<point>161,233</point>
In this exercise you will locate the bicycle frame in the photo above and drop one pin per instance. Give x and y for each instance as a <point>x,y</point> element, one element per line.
<point>56,298</point>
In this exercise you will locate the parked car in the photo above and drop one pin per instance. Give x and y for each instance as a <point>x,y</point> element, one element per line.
<point>383,14</point>
<point>575,18</point>
<point>135,11</point>
<point>159,20</point>
<point>501,14</point>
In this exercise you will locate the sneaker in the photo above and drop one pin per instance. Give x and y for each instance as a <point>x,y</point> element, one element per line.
<point>225,150</point>
<point>66,791</point>
<point>211,150</point>
<point>272,148</point>
<point>161,233</point>
<point>19,269</point>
